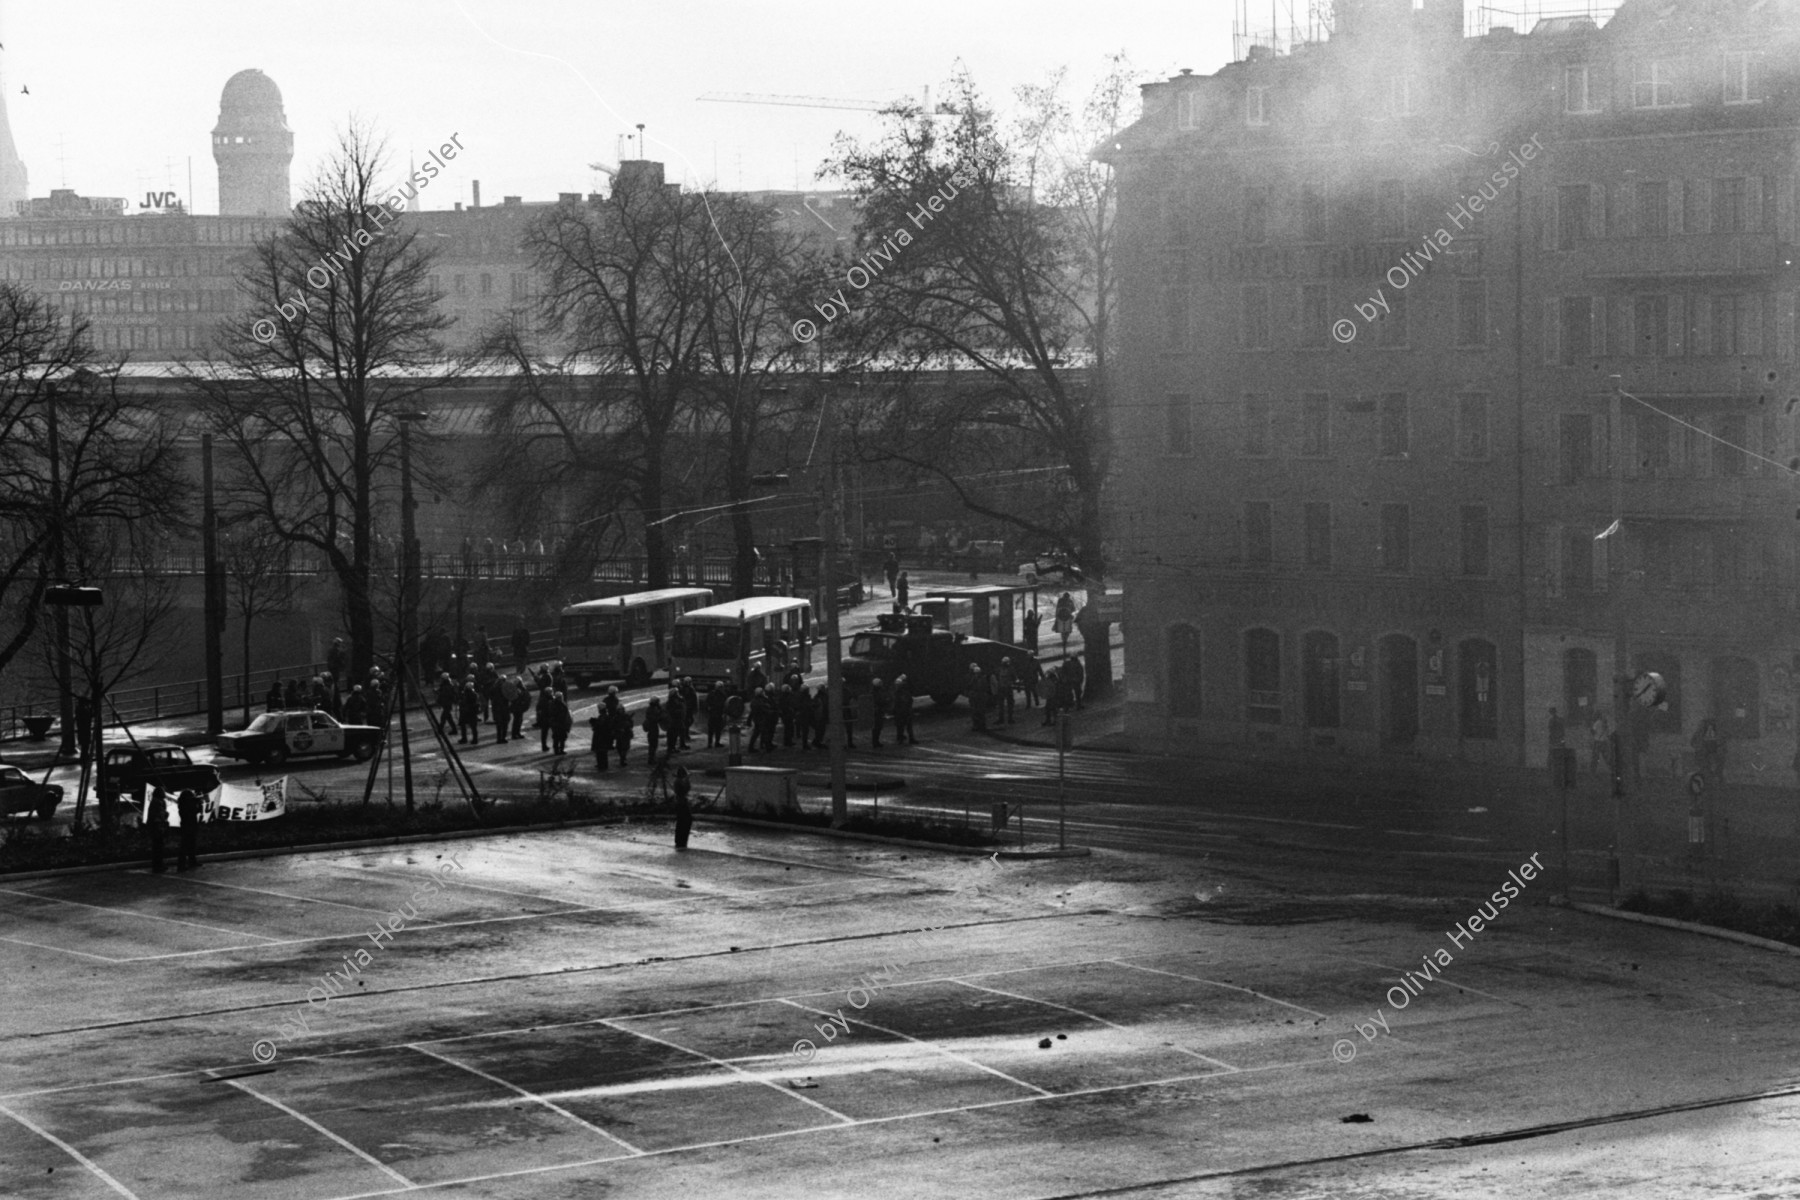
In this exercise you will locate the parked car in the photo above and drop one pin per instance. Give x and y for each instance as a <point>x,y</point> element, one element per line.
<point>19,793</point>
<point>274,737</point>
<point>133,770</point>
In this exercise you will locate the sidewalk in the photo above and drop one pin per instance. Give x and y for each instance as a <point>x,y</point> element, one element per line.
<point>1099,725</point>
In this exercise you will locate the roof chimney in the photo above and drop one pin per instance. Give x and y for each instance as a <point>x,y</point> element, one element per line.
<point>475,201</point>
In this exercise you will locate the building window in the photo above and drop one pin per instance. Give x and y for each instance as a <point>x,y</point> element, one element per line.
<point>1472,426</point>
<point>1257,411</point>
<point>1318,534</point>
<point>1314,218</point>
<point>1575,458</point>
<point>1727,324</point>
<point>1256,215</point>
<point>1190,109</point>
<point>1728,206</point>
<point>1254,317</point>
<point>1737,698</point>
<point>1179,432</point>
<point>1395,434</point>
<point>1477,669</point>
<point>1652,442</point>
<point>1740,78</point>
<point>1572,200</point>
<point>1656,83</point>
<point>1577,320</point>
<point>1475,540</point>
<point>487,284</point>
<point>1650,315</point>
<point>1390,208</point>
<point>1390,327</point>
<point>1396,538</point>
<point>1256,106</point>
<point>1578,89</point>
<point>1184,671</point>
<point>1471,313</point>
<point>460,283</point>
<point>1315,315</point>
<point>1259,533</point>
<point>1319,685</point>
<point>1315,425</point>
<point>1578,561</point>
<point>1262,676</point>
<point>1729,459</point>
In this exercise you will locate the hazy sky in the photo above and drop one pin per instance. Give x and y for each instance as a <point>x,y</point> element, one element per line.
<point>123,94</point>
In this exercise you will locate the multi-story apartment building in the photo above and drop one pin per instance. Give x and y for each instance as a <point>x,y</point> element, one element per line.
<point>1410,318</point>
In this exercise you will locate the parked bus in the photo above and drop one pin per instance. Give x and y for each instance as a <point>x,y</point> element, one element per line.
<point>727,640</point>
<point>624,637</point>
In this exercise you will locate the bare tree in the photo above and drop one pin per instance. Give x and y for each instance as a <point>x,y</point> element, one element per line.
<point>113,460</point>
<point>992,249</point>
<point>308,396</point>
<point>259,578</point>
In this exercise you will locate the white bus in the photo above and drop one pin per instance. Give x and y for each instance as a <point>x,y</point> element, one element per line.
<point>727,640</point>
<point>623,637</point>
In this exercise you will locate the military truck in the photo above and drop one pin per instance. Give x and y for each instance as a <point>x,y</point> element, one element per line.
<point>935,661</point>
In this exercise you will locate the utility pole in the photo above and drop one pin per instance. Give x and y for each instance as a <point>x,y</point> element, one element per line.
<point>65,676</point>
<point>1615,575</point>
<point>213,619</point>
<point>831,529</point>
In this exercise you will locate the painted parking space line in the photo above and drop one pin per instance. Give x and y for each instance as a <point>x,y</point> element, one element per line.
<point>238,887</point>
<point>532,1096</point>
<point>1216,983</point>
<point>126,912</point>
<point>944,1050</point>
<point>73,1153</point>
<point>1091,1017</point>
<point>616,1023</point>
<point>62,950</point>
<point>307,1121</point>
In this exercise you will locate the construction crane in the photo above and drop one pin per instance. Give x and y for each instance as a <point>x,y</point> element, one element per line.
<point>832,102</point>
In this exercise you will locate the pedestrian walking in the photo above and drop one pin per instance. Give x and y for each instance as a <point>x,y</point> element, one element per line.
<point>1075,677</point>
<point>468,715</point>
<point>1031,672</point>
<point>903,713</point>
<point>272,702</point>
<point>545,697</point>
<point>1005,681</point>
<point>1600,744</point>
<point>715,715</point>
<point>690,707</point>
<point>621,726</point>
<point>891,568</point>
<point>521,704</point>
<point>187,807</point>
<point>978,698</point>
<point>676,719</point>
<point>562,721</point>
<point>653,724</point>
<point>337,659</point>
<point>1032,620</point>
<point>600,729</point>
<point>821,707</point>
<point>446,701</point>
<point>787,711</point>
<point>1052,694</point>
<point>156,822</point>
<point>1064,624</point>
<point>903,587</point>
<point>684,812</point>
<point>356,707</point>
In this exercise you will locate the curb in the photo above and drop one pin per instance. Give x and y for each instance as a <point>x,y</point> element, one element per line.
<point>317,847</point>
<point>1712,931</point>
<point>845,835</point>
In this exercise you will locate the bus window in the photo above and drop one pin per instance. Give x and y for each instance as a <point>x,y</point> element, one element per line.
<point>603,631</point>
<point>706,641</point>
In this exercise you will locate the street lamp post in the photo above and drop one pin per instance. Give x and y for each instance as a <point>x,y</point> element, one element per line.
<point>409,592</point>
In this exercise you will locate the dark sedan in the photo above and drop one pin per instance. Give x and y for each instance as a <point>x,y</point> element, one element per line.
<point>19,793</point>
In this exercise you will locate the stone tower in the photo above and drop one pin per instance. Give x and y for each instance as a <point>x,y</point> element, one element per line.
<point>14,187</point>
<point>253,147</point>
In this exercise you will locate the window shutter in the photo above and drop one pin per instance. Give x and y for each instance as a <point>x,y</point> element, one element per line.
<point>1552,332</point>
<point>1602,560</point>
<point>1677,324</point>
<point>1753,204</point>
<point>1753,324</point>
<point>1597,210</point>
<point>1784,207</point>
<point>1553,556</point>
<point>1597,326</point>
<point>1784,325</point>
<point>1677,209</point>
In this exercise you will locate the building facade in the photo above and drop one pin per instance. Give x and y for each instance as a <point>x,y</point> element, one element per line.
<point>1461,384</point>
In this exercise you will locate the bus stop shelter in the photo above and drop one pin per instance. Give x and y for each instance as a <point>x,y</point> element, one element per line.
<point>999,608</point>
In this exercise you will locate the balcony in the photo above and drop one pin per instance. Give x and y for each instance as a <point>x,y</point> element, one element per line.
<point>1681,256</point>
